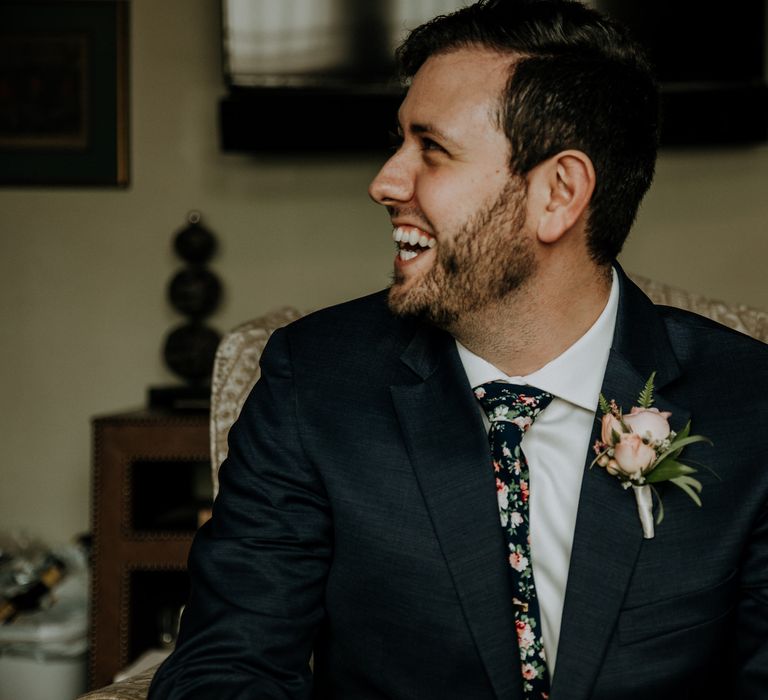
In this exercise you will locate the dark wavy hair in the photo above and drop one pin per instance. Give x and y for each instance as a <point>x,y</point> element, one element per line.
<point>580,82</point>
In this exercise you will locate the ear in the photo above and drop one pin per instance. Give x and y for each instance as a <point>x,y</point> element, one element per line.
<point>562,188</point>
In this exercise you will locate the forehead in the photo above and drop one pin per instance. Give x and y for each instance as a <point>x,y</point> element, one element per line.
<point>458,90</point>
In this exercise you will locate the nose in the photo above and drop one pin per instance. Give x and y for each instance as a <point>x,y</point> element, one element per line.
<point>394,182</point>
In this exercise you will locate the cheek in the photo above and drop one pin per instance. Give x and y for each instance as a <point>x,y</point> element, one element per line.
<point>445,202</point>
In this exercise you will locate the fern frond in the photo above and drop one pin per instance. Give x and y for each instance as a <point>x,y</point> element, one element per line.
<point>645,400</point>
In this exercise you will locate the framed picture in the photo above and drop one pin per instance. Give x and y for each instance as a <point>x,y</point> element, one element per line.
<point>64,92</point>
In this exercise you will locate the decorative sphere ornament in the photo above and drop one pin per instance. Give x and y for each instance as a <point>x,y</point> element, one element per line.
<point>194,292</point>
<point>195,243</point>
<point>190,348</point>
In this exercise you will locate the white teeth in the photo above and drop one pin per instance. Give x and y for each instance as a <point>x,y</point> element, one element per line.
<point>407,254</point>
<point>413,237</point>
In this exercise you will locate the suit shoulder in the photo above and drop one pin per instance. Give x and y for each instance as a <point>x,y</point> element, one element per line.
<point>704,331</point>
<point>718,354</point>
<point>364,325</point>
<point>371,310</point>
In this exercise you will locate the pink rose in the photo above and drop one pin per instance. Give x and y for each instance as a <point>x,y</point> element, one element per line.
<point>518,562</point>
<point>650,423</point>
<point>632,455</point>
<point>525,637</point>
<point>529,672</point>
<point>611,424</point>
<point>522,422</point>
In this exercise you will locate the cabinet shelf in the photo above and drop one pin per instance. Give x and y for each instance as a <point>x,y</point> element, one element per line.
<point>151,479</point>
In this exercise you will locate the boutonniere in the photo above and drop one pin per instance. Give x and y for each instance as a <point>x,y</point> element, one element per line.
<point>640,449</point>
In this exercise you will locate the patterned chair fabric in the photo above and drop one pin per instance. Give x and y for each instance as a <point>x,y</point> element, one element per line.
<point>236,370</point>
<point>133,688</point>
<point>742,318</point>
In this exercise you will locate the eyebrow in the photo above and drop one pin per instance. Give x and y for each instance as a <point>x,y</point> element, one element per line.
<point>421,129</point>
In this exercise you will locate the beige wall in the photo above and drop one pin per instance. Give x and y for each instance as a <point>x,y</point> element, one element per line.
<point>83,272</point>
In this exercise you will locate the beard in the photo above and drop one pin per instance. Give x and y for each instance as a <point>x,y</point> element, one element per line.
<point>487,259</point>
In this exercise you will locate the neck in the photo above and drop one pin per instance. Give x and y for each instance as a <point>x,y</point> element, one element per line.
<point>536,323</point>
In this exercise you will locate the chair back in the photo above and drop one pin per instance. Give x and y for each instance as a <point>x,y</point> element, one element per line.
<point>235,371</point>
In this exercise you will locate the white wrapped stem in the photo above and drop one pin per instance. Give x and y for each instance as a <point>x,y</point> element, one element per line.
<point>644,499</point>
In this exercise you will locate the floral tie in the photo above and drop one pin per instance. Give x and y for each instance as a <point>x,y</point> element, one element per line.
<point>511,409</point>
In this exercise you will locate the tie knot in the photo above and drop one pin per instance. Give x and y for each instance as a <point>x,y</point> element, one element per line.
<point>512,402</point>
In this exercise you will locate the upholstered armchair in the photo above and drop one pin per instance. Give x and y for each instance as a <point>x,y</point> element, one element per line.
<point>236,370</point>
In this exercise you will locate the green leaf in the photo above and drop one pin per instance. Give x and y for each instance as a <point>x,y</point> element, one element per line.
<point>668,469</point>
<point>677,446</point>
<point>682,435</point>
<point>693,483</point>
<point>660,514</point>
<point>646,395</point>
<point>605,407</point>
<point>691,486</point>
<point>709,469</point>
<point>684,432</point>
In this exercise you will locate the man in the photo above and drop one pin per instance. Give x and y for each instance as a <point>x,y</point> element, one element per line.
<point>359,511</point>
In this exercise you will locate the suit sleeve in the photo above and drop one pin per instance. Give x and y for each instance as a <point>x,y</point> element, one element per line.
<point>748,445</point>
<point>258,567</point>
<point>751,633</point>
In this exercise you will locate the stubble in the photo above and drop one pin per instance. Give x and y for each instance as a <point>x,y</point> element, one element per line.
<point>488,259</point>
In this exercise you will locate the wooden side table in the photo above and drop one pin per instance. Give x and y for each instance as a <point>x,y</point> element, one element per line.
<point>151,478</point>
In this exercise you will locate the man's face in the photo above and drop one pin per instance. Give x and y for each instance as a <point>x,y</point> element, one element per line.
<point>459,214</point>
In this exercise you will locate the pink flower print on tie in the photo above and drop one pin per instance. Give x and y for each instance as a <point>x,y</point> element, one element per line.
<point>512,410</point>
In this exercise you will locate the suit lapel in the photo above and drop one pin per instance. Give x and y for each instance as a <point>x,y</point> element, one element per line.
<point>608,536</point>
<point>447,444</point>
<point>448,448</point>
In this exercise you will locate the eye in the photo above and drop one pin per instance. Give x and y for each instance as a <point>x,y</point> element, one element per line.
<point>427,144</point>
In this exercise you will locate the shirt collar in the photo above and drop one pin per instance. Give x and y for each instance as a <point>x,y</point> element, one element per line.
<point>576,375</point>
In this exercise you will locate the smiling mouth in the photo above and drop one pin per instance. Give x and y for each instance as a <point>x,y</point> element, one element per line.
<point>411,242</point>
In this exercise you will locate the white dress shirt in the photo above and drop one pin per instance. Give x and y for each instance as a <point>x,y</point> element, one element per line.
<point>556,447</point>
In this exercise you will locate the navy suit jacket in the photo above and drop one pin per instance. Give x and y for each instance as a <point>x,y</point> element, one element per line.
<point>357,518</point>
